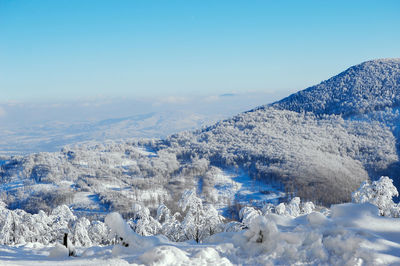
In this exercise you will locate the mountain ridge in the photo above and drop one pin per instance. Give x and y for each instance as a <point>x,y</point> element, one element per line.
<point>369,86</point>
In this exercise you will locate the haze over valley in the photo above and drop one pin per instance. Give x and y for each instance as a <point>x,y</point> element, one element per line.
<point>28,127</point>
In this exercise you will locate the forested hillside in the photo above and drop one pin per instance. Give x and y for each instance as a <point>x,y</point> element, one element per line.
<point>364,88</point>
<point>319,144</point>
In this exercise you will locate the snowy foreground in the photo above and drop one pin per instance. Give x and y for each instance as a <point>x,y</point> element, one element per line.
<point>347,234</point>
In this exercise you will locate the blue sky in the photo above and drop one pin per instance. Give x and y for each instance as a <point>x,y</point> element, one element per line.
<point>71,49</point>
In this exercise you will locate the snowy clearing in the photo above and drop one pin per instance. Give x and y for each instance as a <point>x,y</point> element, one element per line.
<point>237,186</point>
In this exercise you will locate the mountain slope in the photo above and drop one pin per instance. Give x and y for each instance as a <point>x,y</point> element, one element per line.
<point>321,159</point>
<point>363,88</point>
<point>319,144</point>
<point>368,92</point>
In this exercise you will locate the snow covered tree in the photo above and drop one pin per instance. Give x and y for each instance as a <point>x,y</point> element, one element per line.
<point>248,214</point>
<point>233,226</point>
<point>199,221</point>
<point>213,220</point>
<point>171,227</point>
<point>268,208</point>
<point>142,223</point>
<point>62,220</point>
<point>307,207</point>
<point>20,227</point>
<point>8,228</point>
<point>99,233</point>
<point>379,193</point>
<point>194,220</point>
<point>293,208</point>
<point>280,209</point>
<point>80,235</point>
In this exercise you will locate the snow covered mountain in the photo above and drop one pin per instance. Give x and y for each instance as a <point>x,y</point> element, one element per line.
<point>319,144</point>
<point>368,92</point>
<point>364,88</point>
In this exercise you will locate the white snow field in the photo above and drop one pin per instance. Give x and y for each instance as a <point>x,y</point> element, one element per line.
<point>237,186</point>
<point>347,234</point>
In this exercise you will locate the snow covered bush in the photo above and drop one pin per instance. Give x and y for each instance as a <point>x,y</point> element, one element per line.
<point>307,207</point>
<point>130,240</point>
<point>380,193</point>
<point>248,214</point>
<point>261,230</point>
<point>293,209</point>
<point>121,230</point>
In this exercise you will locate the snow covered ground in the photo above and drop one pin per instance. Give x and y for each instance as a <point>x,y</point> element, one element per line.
<point>237,186</point>
<point>348,234</point>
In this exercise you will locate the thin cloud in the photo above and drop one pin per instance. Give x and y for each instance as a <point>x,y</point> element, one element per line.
<point>2,112</point>
<point>212,98</point>
<point>172,100</point>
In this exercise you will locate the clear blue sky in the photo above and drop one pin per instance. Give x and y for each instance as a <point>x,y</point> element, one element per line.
<point>65,49</point>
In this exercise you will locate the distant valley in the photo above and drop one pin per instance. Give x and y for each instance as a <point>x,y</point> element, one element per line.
<point>47,127</point>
